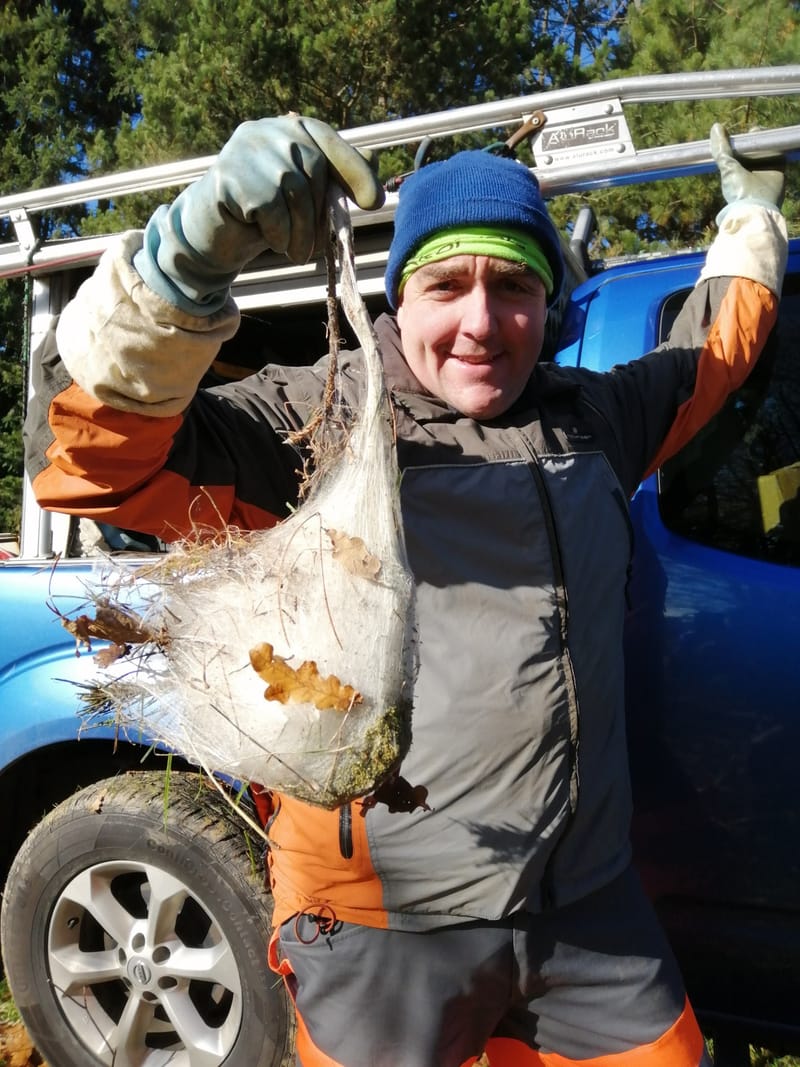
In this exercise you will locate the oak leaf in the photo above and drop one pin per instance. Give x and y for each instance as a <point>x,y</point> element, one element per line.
<point>111,622</point>
<point>398,795</point>
<point>300,685</point>
<point>354,556</point>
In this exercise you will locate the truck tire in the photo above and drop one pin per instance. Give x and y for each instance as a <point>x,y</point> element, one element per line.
<point>135,926</point>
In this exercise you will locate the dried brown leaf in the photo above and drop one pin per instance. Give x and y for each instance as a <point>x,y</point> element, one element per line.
<point>300,685</point>
<point>354,556</point>
<point>112,622</point>
<point>398,795</point>
<point>105,657</point>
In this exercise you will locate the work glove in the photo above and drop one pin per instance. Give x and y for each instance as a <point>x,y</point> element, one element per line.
<point>267,189</point>
<point>756,183</point>
<point>751,238</point>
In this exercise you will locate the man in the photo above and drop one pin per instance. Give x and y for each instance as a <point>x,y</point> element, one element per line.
<point>501,916</point>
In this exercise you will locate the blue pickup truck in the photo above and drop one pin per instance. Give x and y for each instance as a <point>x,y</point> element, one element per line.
<point>135,917</point>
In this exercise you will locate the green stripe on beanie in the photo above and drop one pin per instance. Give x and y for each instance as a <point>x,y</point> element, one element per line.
<point>470,189</point>
<point>514,245</point>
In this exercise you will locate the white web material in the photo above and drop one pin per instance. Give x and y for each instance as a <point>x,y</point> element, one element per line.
<point>329,586</point>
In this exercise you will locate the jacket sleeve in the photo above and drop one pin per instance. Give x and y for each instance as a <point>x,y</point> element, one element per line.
<point>118,431</point>
<point>659,402</point>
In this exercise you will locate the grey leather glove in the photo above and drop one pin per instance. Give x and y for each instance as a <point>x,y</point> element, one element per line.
<point>751,239</point>
<point>267,189</point>
<point>752,184</point>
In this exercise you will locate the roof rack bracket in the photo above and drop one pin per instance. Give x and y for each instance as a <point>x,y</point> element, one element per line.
<point>23,228</point>
<point>583,133</point>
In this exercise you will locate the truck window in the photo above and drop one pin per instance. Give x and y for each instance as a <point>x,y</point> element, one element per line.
<point>736,486</point>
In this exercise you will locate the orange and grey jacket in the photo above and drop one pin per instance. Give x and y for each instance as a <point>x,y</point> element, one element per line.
<point>518,536</point>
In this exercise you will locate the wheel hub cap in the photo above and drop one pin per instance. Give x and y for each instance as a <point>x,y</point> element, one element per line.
<point>139,971</point>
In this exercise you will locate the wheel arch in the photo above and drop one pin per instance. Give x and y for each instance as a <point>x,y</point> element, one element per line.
<point>33,785</point>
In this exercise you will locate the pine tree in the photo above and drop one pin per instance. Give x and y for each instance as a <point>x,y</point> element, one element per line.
<point>94,86</point>
<point>675,36</point>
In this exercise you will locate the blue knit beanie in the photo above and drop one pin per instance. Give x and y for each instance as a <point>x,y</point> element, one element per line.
<point>470,189</point>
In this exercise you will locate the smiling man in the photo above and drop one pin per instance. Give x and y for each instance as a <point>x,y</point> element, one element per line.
<point>495,910</point>
<point>472,329</point>
<point>473,264</point>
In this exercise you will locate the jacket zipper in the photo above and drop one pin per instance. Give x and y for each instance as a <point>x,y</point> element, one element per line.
<point>619,495</point>
<point>546,886</point>
<point>346,831</point>
<point>563,612</point>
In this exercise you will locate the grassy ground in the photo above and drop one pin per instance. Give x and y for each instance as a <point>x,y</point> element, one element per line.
<point>16,1049</point>
<point>8,1012</point>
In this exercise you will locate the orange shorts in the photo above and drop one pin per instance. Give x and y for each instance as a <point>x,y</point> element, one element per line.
<point>593,984</point>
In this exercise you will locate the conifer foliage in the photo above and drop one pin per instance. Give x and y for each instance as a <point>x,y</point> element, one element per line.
<point>88,87</point>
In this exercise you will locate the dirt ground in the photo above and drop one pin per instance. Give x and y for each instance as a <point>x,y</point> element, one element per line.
<point>16,1049</point>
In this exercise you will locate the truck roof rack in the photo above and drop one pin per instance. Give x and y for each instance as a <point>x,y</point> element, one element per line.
<point>579,137</point>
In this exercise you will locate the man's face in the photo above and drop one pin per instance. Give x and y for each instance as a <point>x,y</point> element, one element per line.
<point>472,329</point>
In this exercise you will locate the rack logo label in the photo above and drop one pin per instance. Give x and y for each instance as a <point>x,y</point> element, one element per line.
<point>589,133</point>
